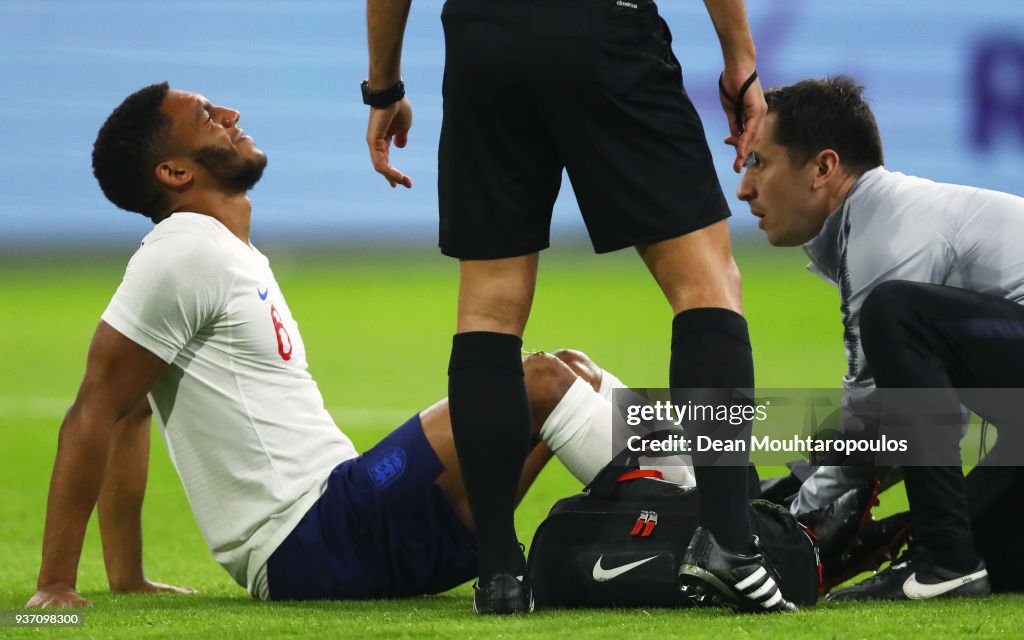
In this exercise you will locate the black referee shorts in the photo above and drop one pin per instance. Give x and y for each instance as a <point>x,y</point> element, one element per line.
<point>532,86</point>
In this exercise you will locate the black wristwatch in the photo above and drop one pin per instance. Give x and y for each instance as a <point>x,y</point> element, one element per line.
<point>382,97</point>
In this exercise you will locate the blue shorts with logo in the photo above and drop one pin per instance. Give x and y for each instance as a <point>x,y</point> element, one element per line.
<point>382,529</point>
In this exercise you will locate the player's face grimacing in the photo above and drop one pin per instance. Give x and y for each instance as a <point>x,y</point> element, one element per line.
<point>782,194</point>
<point>210,136</point>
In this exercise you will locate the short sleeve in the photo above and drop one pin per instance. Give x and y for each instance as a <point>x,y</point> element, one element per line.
<point>174,285</point>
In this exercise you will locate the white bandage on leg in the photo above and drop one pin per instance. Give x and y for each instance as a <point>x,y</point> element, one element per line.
<point>609,383</point>
<point>678,473</point>
<point>579,432</point>
<point>682,471</point>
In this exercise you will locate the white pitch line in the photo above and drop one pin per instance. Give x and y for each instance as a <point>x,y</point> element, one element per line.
<point>33,406</point>
<point>348,418</point>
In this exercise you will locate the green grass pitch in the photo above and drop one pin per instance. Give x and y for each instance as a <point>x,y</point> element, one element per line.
<point>377,328</point>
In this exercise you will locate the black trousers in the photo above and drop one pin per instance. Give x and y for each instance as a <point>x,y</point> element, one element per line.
<point>931,336</point>
<point>995,502</point>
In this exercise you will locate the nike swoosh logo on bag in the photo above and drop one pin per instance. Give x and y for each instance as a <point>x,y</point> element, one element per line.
<point>604,575</point>
<point>917,591</point>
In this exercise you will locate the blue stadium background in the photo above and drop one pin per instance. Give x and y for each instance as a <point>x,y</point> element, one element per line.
<point>946,80</point>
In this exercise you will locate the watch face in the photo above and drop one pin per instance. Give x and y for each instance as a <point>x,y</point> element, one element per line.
<point>367,92</point>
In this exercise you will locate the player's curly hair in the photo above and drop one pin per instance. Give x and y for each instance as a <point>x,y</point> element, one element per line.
<point>813,115</point>
<point>128,147</point>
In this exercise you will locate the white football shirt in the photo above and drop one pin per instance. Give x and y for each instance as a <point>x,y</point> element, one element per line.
<point>244,422</point>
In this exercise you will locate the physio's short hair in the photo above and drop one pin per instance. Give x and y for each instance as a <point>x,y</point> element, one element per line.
<point>127,149</point>
<point>813,115</point>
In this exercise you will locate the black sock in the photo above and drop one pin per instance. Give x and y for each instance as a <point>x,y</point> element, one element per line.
<point>711,349</point>
<point>490,416</point>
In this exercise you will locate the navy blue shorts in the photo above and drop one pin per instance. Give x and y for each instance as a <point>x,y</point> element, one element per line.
<point>382,529</point>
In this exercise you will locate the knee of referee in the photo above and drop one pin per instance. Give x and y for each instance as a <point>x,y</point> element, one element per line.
<point>548,378</point>
<point>717,283</point>
<point>696,269</point>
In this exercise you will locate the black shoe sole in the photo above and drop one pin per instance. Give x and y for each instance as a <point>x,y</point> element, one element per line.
<point>704,589</point>
<point>975,589</point>
<point>512,604</point>
<point>510,609</point>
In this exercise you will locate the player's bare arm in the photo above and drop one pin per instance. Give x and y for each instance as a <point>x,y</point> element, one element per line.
<point>385,28</point>
<point>120,505</point>
<point>740,58</point>
<point>95,437</point>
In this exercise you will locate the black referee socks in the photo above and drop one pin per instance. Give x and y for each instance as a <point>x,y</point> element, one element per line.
<point>711,350</point>
<point>490,415</point>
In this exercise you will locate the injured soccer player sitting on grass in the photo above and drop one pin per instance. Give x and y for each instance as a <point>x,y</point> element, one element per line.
<point>199,336</point>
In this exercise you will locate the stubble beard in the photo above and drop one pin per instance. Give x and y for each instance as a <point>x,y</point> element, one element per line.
<point>233,174</point>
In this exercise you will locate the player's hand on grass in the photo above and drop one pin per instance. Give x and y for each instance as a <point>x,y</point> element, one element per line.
<point>147,586</point>
<point>57,596</point>
<point>387,124</point>
<point>745,126</point>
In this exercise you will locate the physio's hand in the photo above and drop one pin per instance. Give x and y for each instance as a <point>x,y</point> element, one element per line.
<point>57,596</point>
<point>754,110</point>
<point>151,587</point>
<point>386,124</point>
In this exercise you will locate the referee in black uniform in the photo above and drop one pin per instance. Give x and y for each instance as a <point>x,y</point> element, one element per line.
<point>592,86</point>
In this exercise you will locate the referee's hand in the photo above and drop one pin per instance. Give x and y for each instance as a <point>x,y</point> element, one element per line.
<point>387,123</point>
<point>754,110</point>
